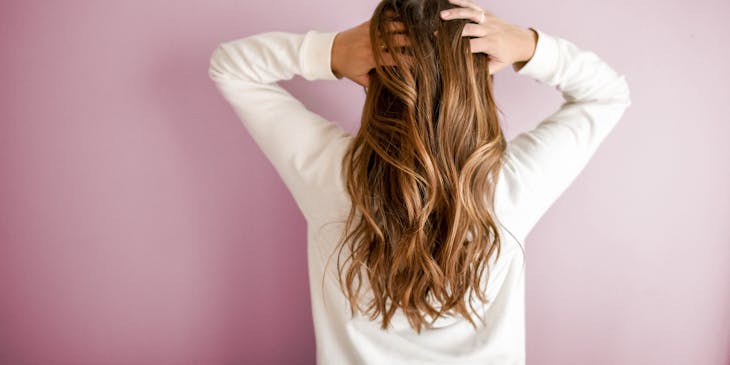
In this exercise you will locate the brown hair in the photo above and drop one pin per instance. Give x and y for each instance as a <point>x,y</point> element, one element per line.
<point>421,171</point>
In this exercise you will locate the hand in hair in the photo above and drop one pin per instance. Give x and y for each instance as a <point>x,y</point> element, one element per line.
<point>504,43</point>
<point>352,52</point>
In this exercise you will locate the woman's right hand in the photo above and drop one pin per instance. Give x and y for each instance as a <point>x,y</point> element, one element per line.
<point>504,43</point>
<point>352,55</point>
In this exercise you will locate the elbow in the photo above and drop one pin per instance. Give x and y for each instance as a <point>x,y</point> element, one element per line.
<point>616,92</point>
<point>216,63</point>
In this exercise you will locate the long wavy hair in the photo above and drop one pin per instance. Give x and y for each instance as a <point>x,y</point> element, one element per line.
<point>421,171</point>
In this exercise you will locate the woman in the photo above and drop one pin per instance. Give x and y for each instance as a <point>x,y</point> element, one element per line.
<point>427,202</point>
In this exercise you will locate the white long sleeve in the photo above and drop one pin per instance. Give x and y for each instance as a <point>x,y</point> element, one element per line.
<point>300,144</point>
<point>543,161</point>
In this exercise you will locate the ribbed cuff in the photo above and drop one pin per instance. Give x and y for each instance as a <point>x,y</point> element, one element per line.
<point>316,55</point>
<point>544,62</point>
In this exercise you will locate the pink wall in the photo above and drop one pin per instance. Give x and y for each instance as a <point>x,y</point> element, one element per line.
<point>140,224</point>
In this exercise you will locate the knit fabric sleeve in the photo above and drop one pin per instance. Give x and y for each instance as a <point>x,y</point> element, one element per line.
<point>543,161</point>
<point>298,142</point>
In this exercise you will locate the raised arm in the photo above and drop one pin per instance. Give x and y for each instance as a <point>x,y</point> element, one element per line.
<point>294,139</point>
<point>543,161</point>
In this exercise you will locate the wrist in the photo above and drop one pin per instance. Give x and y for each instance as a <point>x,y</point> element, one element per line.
<point>336,55</point>
<point>530,44</point>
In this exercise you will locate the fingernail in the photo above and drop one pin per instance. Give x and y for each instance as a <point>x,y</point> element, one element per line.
<point>445,13</point>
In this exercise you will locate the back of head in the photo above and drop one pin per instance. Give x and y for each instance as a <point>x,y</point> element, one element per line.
<point>422,169</point>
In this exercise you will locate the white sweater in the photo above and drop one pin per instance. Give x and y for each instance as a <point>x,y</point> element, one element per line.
<point>306,150</point>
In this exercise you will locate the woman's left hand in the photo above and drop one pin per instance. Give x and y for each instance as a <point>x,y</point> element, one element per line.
<point>505,43</point>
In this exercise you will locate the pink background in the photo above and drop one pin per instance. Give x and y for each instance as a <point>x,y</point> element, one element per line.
<point>140,224</point>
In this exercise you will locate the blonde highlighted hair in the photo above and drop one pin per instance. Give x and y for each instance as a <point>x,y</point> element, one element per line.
<point>421,171</point>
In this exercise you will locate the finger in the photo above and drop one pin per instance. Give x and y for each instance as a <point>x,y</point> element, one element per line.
<point>397,40</point>
<point>400,40</point>
<point>394,26</point>
<point>389,60</point>
<point>474,30</point>
<point>466,4</point>
<point>390,14</point>
<point>463,13</point>
<point>396,32</point>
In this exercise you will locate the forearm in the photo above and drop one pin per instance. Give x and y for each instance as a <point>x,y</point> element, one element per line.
<point>269,57</point>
